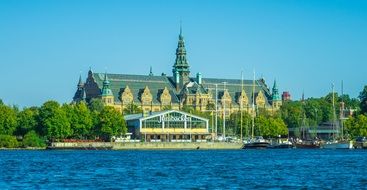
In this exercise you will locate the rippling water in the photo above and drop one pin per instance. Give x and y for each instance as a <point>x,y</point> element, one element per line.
<point>199,169</point>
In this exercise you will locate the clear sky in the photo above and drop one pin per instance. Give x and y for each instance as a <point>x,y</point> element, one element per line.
<point>304,45</point>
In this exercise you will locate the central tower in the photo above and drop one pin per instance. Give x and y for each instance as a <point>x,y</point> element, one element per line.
<point>181,68</point>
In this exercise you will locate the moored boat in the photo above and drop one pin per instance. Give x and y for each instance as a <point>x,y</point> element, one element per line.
<point>282,145</point>
<point>308,144</point>
<point>338,145</point>
<point>334,143</point>
<point>360,142</point>
<point>256,143</point>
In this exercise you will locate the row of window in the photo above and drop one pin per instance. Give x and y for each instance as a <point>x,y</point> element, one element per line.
<point>174,137</point>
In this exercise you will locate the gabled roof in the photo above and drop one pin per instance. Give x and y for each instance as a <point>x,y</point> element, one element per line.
<point>193,88</point>
<point>137,83</point>
<point>156,84</point>
<point>233,86</point>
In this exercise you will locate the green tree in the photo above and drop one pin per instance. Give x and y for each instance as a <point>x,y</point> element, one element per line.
<point>8,120</point>
<point>363,99</point>
<point>47,110</point>
<point>210,106</point>
<point>280,127</point>
<point>349,102</point>
<point>292,113</point>
<point>71,116</point>
<point>192,110</point>
<point>188,109</point>
<point>96,104</point>
<point>261,126</point>
<point>111,123</point>
<point>326,104</point>
<point>270,127</point>
<point>235,121</point>
<point>80,118</point>
<point>27,120</point>
<point>8,141</point>
<point>133,109</point>
<point>31,139</point>
<point>169,107</point>
<point>54,121</point>
<point>313,111</point>
<point>356,126</point>
<point>95,123</point>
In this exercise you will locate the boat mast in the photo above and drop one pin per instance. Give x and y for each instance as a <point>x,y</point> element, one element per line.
<point>241,103</point>
<point>342,111</point>
<point>304,126</point>
<point>224,111</point>
<point>216,110</point>
<point>253,107</point>
<point>334,116</point>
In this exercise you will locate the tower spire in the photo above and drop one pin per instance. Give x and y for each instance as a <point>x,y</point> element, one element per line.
<point>180,28</point>
<point>275,92</point>
<point>79,94</point>
<point>106,94</point>
<point>105,80</point>
<point>150,71</point>
<point>276,100</point>
<point>181,65</point>
<point>106,91</point>
<point>80,83</point>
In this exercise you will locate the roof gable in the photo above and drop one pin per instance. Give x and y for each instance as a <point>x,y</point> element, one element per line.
<point>137,84</point>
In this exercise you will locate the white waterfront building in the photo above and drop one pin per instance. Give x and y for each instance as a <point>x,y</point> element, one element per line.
<point>168,126</point>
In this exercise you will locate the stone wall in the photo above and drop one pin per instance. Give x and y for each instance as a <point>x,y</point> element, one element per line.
<point>146,145</point>
<point>177,145</point>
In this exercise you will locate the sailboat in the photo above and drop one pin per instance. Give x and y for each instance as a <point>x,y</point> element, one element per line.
<point>305,143</point>
<point>255,142</point>
<point>337,144</point>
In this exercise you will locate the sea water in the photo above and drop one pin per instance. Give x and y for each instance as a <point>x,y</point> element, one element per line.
<point>195,169</point>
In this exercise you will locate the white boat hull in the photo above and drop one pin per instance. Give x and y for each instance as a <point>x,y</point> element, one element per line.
<point>338,145</point>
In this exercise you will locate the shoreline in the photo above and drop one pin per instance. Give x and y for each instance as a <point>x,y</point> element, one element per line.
<point>27,148</point>
<point>145,146</point>
<point>136,146</point>
<point>139,146</point>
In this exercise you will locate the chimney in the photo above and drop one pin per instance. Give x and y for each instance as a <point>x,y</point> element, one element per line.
<point>198,78</point>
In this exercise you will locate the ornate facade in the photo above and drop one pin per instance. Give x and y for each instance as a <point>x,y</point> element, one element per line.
<point>156,93</point>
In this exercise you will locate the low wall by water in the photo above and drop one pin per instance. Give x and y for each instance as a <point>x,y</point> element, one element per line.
<point>177,145</point>
<point>81,145</point>
<point>145,145</point>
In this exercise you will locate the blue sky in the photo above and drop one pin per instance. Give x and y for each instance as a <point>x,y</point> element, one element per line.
<point>304,45</point>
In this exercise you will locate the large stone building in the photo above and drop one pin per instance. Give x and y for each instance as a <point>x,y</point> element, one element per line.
<point>155,93</point>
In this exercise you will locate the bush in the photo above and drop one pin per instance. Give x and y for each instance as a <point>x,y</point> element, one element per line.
<point>31,139</point>
<point>8,141</point>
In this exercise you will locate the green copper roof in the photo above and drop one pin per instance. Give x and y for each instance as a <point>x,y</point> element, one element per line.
<point>137,83</point>
<point>275,92</point>
<point>156,84</point>
<point>193,88</point>
<point>181,63</point>
<point>106,91</point>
